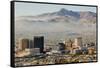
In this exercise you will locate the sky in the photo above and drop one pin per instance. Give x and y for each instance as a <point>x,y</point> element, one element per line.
<point>32,9</point>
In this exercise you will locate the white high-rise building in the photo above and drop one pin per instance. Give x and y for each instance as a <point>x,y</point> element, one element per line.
<point>78,42</point>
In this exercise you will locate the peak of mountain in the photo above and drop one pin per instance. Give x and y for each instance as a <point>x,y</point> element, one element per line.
<point>65,12</point>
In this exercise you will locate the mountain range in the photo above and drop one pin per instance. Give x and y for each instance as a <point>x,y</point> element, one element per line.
<point>63,15</point>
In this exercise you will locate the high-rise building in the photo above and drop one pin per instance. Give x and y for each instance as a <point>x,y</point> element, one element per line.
<point>91,50</point>
<point>23,43</point>
<point>78,42</point>
<point>69,45</point>
<point>39,43</point>
<point>62,46</point>
<point>31,45</point>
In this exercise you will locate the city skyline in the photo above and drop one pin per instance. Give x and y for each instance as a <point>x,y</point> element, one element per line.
<point>65,52</point>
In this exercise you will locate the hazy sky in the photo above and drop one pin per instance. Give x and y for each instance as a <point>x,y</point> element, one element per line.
<point>24,9</point>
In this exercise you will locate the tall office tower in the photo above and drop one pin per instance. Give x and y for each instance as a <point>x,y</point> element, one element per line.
<point>62,46</point>
<point>31,44</point>
<point>23,44</point>
<point>78,42</point>
<point>39,43</point>
<point>69,45</point>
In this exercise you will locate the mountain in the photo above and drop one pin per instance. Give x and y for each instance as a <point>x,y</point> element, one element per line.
<point>88,17</point>
<point>64,12</point>
<point>63,15</point>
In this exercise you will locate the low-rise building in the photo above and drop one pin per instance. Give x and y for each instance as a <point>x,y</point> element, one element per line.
<point>33,51</point>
